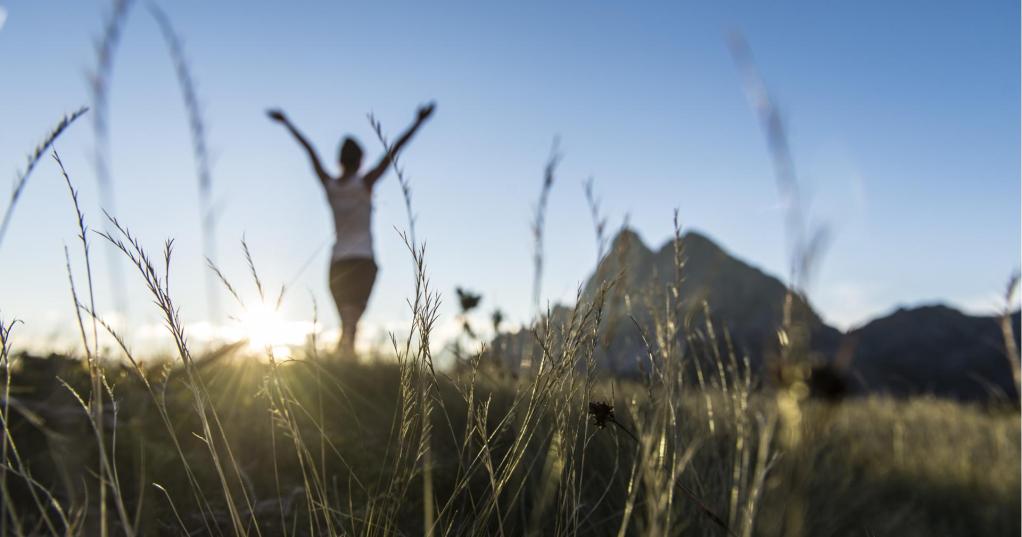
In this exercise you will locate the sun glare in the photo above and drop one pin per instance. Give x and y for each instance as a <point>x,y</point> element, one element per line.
<point>264,328</point>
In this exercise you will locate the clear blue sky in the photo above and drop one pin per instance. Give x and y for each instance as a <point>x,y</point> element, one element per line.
<point>903,118</point>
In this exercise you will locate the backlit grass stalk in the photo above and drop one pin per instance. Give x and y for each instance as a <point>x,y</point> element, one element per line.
<point>33,159</point>
<point>664,465</point>
<point>538,227</point>
<point>203,169</point>
<point>9,449</point>
<point>599,220</point>
<point>805,248</point>
<point>539,224</point>
<point>584,429</point>
<point>99,85</point>
<point>83,238</point>
<point>159,402</point>
<point>539,415</point>
<point>6,442</point>
<point>158,283</point>
<point>1008,332</point>
<point>406,186</point>
<point>418,394</point>
<point>286,411</point>
<point>96,372</point>
<point>663,451</point>
<point>565,453</point>
<point>96,405</point>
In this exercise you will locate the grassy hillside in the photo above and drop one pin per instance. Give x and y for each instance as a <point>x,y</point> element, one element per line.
<point>313,447</point>
<point>227,444</point>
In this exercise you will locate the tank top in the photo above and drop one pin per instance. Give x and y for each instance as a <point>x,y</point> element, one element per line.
<point>352,205</point>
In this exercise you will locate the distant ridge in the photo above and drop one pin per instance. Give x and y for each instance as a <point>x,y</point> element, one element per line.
<point>932,349</point>
<point>740,297</point>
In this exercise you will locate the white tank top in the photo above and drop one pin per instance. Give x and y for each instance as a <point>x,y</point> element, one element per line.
<point>352,205</point>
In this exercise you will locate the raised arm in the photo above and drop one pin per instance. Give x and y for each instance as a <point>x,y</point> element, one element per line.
<point>381,168</point>
<point>278,116</point>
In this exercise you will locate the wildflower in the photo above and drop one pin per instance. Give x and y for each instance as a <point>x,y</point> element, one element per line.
<point>828,382</point>
<point>467,299</point>
<point>497,318</point>
<point>602,413</point>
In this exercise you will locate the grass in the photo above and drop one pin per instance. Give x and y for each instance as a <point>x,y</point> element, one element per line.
<point>228,444</point>
<point>33,159</point>
<point>315,442</point>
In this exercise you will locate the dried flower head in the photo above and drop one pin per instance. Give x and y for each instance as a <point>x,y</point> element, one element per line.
<point>828,382</point>
<point>601,412</point>
<point>497,318</point>
<point>467,299</point>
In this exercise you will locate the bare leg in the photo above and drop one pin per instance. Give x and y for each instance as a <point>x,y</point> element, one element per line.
<point>350,316</point>
<point>351,281</point>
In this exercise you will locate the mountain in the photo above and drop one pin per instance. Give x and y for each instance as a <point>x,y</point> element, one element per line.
<point>933,349</point>
<point>740,298</point>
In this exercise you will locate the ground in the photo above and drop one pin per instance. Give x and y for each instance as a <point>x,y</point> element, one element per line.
<point>311,446</point>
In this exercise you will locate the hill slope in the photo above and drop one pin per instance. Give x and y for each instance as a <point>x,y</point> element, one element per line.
<point>742,299</point>
<point>932,349</point>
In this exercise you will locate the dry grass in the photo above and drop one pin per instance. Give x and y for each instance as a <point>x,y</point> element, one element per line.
<point>200,150</point>
<point>100,78</point>
<point>308,446</point>
<point>33,159</point>
<point>327,448</point>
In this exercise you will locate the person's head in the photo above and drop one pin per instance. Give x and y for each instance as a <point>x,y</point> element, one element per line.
<point>350,155</point>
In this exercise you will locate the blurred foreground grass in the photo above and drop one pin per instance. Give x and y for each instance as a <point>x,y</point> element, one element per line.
<point>875,466</point>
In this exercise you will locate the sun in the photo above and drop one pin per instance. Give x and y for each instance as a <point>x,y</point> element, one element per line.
<point>265,329</point>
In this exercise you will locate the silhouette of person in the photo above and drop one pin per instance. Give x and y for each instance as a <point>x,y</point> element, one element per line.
<point>350,195</point>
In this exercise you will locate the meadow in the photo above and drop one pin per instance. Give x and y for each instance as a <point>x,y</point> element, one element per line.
<point>225,442</point>
<point>317,447</point>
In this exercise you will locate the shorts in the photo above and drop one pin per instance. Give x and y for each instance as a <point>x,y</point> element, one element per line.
<point>351,281</point>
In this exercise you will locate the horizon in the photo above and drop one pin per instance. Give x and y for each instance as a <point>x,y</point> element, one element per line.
<point>903,121</point>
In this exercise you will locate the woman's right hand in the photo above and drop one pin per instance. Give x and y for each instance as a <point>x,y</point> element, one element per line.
<point>276,114</point>
<point>426,111</point>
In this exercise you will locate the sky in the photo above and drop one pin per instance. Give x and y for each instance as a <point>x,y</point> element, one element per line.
<point>903,119</point>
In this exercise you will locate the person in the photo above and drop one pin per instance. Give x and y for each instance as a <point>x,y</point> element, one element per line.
<point>350,195</point>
